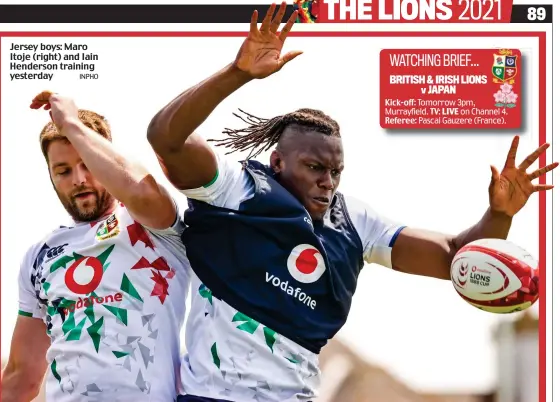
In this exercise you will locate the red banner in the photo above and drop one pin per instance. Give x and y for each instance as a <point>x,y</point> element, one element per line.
<point>450,88</point>
<point>410,11</point>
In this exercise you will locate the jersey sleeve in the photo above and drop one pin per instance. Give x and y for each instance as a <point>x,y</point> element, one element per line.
<point>378,233</point>
<point>175,230</point>
<point>171,237</point>
<point>229,188</point>
<point>29,305</point>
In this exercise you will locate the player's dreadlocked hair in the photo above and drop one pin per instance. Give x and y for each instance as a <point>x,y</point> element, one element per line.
<point>263,134</point>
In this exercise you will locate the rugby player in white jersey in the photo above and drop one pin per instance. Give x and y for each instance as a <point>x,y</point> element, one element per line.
<point>102,297</point>
<point>276,250</point>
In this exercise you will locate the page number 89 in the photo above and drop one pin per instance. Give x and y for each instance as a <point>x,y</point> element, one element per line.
<point>536,13</point>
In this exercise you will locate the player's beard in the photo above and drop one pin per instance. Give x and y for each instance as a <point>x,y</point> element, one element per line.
<point>94,209</point>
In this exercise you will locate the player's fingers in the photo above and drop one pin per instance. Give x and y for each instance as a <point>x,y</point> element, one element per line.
<point>288,27</point>
<point>495,173</point>
<point>541,171</point>
<point>542,187</point>
<point>42,99</point>
<point>265,26</point>
<point>43,96</point>
<point>254,18</point>
<point>278,18</point>
<point>289,57</point>
<point>533,157</point>
<point>38,104</point>
<point>510,160</point>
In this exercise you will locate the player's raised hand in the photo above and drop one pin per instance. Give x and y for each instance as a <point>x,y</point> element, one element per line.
<point>260,53</point>
<point>62,109</point>
<point>510,189</point>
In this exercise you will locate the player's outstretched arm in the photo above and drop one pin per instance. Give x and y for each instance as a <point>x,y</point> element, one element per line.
<point>23,375</point>
<point>428,253</point>
<point>186,158</point>
<point>147,201</point>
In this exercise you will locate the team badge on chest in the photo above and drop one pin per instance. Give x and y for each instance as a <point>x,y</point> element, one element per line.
<point>109,228</point>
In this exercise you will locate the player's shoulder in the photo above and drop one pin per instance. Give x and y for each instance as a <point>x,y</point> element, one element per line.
<point>230,187</point>
<point>357,208</point>
<point>255,165</point>
<point>44,243</point>
<point>365,218</point>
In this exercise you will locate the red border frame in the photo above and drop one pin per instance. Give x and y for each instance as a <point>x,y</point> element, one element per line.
<point>542,122</point>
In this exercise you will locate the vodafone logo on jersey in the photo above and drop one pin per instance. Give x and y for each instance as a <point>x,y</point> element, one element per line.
<point>84,275</point>
<point>306,264</point>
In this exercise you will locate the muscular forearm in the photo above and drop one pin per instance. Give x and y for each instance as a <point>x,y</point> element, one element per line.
<point>427,253</point>
<point>494,225</point>
<point>125,180</point>
<point>18,386</point>
<point>170,127</point>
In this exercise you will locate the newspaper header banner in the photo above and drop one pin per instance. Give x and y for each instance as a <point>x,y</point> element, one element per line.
<point>312,11</point>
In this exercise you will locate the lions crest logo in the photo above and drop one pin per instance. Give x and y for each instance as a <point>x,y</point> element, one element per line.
<point>109,228</point>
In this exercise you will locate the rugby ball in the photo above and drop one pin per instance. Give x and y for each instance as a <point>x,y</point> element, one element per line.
<point>496,275</point>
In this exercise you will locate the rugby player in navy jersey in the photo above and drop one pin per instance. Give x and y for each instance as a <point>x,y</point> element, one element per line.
<point>276,249</point>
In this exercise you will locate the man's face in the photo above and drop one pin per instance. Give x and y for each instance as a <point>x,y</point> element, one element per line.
<point>309,165</point>
<point>80,194</point>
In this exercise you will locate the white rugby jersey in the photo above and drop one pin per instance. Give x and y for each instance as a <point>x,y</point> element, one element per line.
<point>232,356</point>
<point>112,294</point>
